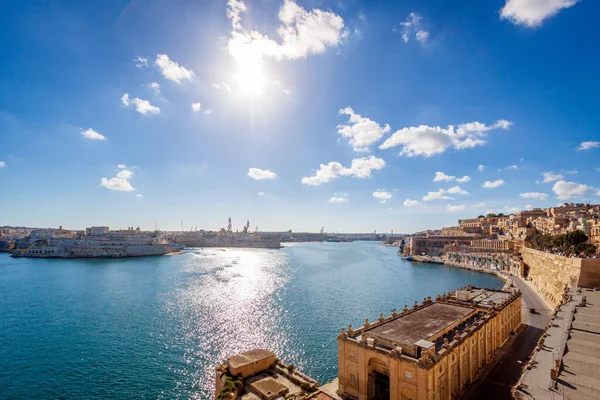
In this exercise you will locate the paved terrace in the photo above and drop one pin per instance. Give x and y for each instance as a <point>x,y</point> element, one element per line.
<point>574,338</point>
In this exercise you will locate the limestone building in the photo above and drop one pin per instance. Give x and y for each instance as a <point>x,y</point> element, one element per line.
<point>431,351</point>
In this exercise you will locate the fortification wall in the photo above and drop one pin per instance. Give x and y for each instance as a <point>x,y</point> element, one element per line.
<point>590,272</point>
<point>550,273</point>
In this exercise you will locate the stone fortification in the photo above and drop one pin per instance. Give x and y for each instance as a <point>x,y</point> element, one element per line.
<point>550,273</point>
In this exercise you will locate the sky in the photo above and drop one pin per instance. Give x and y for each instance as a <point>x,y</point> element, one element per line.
<point>295,114</point>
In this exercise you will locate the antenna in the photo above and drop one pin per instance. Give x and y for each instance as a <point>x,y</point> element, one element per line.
<point>181,225</point>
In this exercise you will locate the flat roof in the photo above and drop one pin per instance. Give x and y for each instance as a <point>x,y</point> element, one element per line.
<point>249,357</point>
<point>485,297</point>
<point>421,324</point>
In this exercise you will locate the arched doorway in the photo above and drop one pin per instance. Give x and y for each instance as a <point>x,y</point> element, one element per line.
<point>379,380</point>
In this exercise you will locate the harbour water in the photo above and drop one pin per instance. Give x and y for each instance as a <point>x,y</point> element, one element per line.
<point>155,327</point>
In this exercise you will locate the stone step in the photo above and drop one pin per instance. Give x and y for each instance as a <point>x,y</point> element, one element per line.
<point>586,325</point>
<point>584,347</point>
<point>589,315</point>
<point>580,381</point>
<point>582,365</point>
<point>576,394</point>
<point>590,337</point>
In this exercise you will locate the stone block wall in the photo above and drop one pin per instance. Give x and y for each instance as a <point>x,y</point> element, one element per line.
<point>550,273</point>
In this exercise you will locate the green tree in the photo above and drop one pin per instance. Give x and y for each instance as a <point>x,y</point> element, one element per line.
<point>586,248</point>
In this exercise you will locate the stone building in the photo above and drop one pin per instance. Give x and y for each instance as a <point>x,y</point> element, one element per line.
<point>433,350</point>
<point>258,374</point>
<point>434,244</point>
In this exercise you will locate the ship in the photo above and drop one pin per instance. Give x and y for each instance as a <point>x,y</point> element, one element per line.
<point>228,238</point>
<point>199,239</point>
<point>95,242</point>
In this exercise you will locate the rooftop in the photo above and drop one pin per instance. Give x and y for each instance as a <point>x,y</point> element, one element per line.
<point>423,324</point>
<point>483,297</point>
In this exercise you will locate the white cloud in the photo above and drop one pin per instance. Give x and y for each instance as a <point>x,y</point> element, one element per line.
<point>568,190</point>
<point>301,33</point>
<point>532,13</point>
<point>411,203</point>
<point>440,176</point>
<point>412,28</point>
<point>588,145</point>
<point>478,205</point>
<point>528,206</point>
<point>171,70</point>
<point>439,195</point>
<point>92,135</point>
<point>141,62</point>
<point>222,85</point>
<point>360,168</point>
<point>458,190</point>
<point>119,182</point>
<point>422,36</point>
<point>115,183</point>
<point>260,174</point>
<point>492,184</point>
<point>551,177</point>
<point>360,131</point>
<point>208,111</point>
<point>261,193</point>
<point>454,208</point>
<point>2,164</point>
<point>196,107</point>
<point>142,106</point>
<point>156,88</point>
<point>481,167</point>
<point>338,200</point>
<point>125,174</point>
<point>534,195</point>
<point>513,167</point>
<point>139,195</point>
<point>427,140</point>
<point>382,195</point>
<point>512,210</point>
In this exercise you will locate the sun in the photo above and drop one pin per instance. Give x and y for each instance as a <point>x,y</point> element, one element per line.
<point>251,77</point>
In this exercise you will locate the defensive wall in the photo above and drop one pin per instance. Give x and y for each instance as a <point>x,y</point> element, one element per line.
<point>550,273</point>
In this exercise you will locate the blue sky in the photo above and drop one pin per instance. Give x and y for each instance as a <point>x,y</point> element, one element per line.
<point>353,115</point>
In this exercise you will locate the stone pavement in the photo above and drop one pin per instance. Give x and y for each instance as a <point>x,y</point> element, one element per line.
<point>572,340</point>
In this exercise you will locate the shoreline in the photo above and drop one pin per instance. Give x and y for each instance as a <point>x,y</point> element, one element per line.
<point>439,260</point>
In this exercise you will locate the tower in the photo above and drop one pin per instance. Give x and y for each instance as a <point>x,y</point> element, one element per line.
<point>229,225</point>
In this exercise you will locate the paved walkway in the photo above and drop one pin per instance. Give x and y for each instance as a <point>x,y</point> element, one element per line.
<point>497,382</point>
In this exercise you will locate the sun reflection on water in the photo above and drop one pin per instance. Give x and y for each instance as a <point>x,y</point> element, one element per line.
<point>225,305</point>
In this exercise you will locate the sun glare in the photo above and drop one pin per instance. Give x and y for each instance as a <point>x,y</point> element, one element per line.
<point>251,77</point>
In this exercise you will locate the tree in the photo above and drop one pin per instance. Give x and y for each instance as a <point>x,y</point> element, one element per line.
<point>586,248</point>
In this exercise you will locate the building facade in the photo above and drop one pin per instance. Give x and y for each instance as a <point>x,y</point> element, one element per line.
<point>431,351</point>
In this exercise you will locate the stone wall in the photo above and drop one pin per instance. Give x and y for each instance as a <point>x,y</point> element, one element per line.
<point>550,273</point>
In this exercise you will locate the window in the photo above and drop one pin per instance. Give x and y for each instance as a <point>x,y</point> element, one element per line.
<point>352,379</point>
